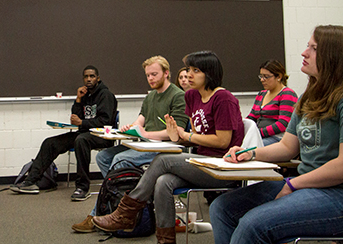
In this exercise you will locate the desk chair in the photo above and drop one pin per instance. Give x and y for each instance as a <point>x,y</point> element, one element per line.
<point>116,126</point>
<point>252,137</point>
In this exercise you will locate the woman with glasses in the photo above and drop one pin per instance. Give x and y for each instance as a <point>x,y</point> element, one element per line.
<point>274,105</point>
<point>310,204</point>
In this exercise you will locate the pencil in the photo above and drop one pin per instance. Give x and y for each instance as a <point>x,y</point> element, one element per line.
<point>242,151</point>
<point>161,120</point>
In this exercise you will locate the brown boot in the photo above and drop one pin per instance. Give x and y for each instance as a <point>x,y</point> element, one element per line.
<point>123,218</point>
<point>166,235</point>
<point>85,226</point>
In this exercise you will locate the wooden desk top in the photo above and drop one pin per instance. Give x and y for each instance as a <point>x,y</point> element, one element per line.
<point>260,174</point>
<point>139,146</point>
<point>289,164</point>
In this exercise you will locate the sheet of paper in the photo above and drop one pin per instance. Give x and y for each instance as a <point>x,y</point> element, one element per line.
<point>155,144</point>
<point>219,163</point>
<point>118,136</point>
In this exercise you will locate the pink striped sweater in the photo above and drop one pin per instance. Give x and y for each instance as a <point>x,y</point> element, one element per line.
<point>274,117</point>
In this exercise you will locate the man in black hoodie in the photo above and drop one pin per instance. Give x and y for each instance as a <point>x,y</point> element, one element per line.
<point>95,106</point>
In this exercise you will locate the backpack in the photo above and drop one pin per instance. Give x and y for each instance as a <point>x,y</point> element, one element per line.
<point>115,185</point>
<point>48,180</point>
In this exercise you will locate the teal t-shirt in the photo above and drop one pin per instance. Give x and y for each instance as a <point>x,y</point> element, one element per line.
<point>319,141</point>
<point>171,101</point>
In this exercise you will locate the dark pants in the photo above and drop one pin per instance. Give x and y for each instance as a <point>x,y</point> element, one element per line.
<point>51,147</point>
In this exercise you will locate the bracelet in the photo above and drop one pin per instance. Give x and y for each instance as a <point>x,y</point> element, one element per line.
<point>290,184</point>
<point>190,136</point>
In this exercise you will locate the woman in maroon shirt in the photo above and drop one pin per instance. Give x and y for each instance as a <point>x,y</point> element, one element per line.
<point>216,125</point>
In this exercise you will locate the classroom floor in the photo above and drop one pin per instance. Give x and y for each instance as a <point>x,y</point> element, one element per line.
<point>47,218</point>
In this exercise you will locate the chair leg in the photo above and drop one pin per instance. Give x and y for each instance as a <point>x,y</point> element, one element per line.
<point>187,211</point>
<point>200,209</point>
<point>68,174</point>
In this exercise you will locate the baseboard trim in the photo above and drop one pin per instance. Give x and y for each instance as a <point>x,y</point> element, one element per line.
<point>7,180</point>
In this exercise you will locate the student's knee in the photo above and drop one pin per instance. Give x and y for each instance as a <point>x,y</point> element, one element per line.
<point>163,185</point>
<point>100,157</point>
<point>80,140</point>
<point>216,208</point>
<point>49,142</point>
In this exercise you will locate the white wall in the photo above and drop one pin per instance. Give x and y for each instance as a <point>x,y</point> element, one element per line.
<point>23,125</point>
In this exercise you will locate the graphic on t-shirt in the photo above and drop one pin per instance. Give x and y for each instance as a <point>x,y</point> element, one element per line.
<point>199,121</point>
<point>90,111</point>
<point>309,134</point>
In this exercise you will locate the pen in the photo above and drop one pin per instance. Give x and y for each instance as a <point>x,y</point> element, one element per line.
<point>161,120</point>
<point>243,151</point>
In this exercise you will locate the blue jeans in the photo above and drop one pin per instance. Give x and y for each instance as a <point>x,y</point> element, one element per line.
<point>251,215</point>
<point>109,157</point>
<point>270,140</point>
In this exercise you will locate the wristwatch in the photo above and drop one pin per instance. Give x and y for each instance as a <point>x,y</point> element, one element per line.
<point>253,156</point>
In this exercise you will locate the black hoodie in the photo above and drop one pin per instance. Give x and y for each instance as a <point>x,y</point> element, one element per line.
<point>96,109</point>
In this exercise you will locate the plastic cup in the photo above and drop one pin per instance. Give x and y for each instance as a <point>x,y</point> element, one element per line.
<point>59,94</point>
<point>107,130</point>
<point>192,216</point>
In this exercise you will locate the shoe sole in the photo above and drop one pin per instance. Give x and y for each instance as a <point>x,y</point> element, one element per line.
<point>83,231</point>
<point>80,199</point>
<point>107,230</point>
<point>14,189</point>
<point>18,190</point>
<point>28,191</point>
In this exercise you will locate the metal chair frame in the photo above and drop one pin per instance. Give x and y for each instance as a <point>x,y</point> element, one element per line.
<point>250,128</point>
<point>189,190</point>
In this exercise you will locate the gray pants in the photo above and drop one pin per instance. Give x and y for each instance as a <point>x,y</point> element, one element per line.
<point>166,173</point>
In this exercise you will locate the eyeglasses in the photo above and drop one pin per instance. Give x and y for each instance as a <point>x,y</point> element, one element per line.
<point>265,77</point>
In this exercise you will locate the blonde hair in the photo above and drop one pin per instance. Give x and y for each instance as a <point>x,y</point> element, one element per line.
<point>323,93</point>
<point>161,61</point>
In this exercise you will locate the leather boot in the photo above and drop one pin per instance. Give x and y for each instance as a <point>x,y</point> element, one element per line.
<point>123,218</point>
<point>166,235</point>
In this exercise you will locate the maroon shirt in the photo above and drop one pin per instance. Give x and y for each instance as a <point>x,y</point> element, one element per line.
<point>221,112</point>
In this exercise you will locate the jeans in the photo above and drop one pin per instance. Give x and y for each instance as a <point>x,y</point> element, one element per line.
<point>251,215</point>
<point>109,157</point>
<point>51,147</point>
<point>270,140</point>
<point>166,173</point>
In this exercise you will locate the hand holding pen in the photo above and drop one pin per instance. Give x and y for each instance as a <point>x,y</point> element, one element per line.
<point>237,154</point>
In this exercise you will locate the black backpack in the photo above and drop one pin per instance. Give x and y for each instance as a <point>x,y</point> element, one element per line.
<point>48,180</point>
<point>115,185</point>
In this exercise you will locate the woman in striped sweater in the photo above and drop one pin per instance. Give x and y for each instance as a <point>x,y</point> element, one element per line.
<point>273,106</point>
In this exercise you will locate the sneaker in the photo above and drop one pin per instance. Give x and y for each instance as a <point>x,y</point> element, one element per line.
<point>25,187</point>
<point>85,226</point>
<point>80,195</point>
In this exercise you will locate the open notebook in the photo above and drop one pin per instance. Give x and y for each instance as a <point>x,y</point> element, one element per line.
<point>60,124</point>
<point>134,131</point>
<point>220,164</point>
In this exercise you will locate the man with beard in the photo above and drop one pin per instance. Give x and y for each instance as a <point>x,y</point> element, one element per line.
<point>166,98</point>
<point>95,106</point>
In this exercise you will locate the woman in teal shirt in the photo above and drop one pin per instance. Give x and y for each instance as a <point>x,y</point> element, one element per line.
<point>312,203</point>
